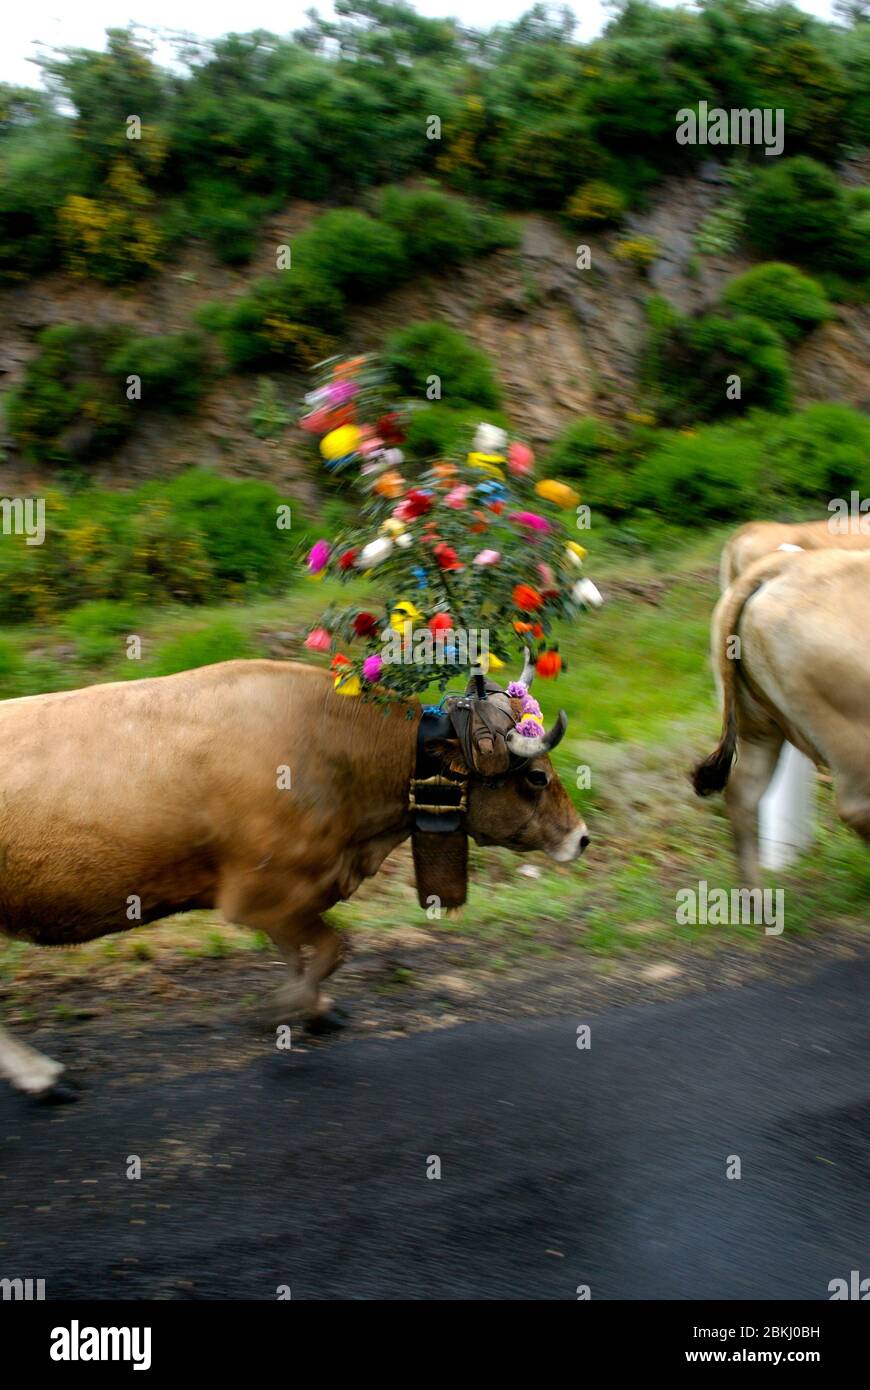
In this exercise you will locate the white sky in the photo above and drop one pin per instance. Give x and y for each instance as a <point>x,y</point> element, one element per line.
<point>82,23</point>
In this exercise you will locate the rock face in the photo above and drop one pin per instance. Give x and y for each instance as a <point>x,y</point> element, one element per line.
<point>565,341</point>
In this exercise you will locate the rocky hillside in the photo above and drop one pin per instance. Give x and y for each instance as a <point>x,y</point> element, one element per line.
<point>565,342</point>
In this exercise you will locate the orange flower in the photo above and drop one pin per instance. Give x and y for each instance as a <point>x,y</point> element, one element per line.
<point>548,664</point>
<point>390,484</point>
<point>527,599</point>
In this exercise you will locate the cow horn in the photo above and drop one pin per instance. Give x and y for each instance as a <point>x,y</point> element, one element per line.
<point>528,674</point>
<point>543,743</point>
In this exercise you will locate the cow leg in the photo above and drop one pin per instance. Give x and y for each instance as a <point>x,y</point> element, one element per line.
<point>27,1069</point>
<point>757,756</point>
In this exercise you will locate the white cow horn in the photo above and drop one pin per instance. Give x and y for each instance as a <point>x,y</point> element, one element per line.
<point>544,743</point>
<point>528,674</point>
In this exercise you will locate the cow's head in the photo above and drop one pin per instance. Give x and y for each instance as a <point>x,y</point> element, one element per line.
<point>515,797</point>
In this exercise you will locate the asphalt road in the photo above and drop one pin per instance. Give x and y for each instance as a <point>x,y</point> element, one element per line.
<point>559,1167</point>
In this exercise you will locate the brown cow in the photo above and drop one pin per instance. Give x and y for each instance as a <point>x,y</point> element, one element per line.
<point>801,672</point>
<point>759,538</point>
<point>122,803</point>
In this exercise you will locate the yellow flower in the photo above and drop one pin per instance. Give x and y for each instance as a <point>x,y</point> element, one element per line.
<point>488,462</point>
<point>347,685</point>
<point>576,553</point>
<point>560,493</point>
<point>404,615</point>
<point>339,442</point>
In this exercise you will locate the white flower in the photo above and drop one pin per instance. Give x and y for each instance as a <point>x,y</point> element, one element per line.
<point>374,553</point>
<point>489,439</point>
<point>393,457</point>
<point>585,592</point>
<point>405,539</point>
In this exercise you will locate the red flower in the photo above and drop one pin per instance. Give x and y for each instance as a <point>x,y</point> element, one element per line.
<point>526,598</point>
<point>346,560</point>
<point>389,427</point>
<point>414,504</point>
<point>481,523</point>
<point>447,557</point>
<point>338,661</point>
<point>442,622</point>
<point>364,624</point>
<point>497,507</point>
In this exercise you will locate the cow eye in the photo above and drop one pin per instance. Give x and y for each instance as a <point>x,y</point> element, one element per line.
<point>537,777</point>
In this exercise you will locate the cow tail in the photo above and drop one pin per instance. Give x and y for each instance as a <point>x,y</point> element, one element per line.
<point>712,774</point>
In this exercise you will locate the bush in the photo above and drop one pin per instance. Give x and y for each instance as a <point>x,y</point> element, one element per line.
<point>358,255</point>
<point>221,641</point>
<point>438,229</point>
<point>438,431</point>
<point>99,628</point>
<point>711,475</point>
<point>783,297</point>
<point>596,202</point>
<point>68,406</point>
<point>288,317</point>
<point>172,369</point>
<point>693,360</point>
<point>798,211</point>
<point>434,349</point>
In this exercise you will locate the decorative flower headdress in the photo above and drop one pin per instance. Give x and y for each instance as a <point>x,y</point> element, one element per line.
<point>472,554</point>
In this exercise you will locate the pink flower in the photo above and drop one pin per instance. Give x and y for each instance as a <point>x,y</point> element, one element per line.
<point>318,556</point>
<point>487,557</point>
<point>318,640</point>
<point>530,521</point>
<point>372,667</point>
<point>521,460</point>
<point>457,496</point>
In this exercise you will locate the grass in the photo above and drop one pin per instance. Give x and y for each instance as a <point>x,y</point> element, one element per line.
<point>641,708</point>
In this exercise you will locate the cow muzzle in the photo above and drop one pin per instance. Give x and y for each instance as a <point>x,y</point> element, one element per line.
<point>572,846</point>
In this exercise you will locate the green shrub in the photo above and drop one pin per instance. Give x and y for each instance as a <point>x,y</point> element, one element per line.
<point>220,641</point>
<point>818,453</point>
<point>782,296</point>
<point>591,454</point>
<point>798,211</point>
<point>68,405</point>
<point>434,349</point>
<point>99,628</point>
<point>268,417</point>
<point>438,229</point>
<point>711,475</point>
<point>11,666</point>
<point>637,251</point>
<point>172,369</point>
<point>288,317</point>
<point>360,256</point>
<point>695,361</point>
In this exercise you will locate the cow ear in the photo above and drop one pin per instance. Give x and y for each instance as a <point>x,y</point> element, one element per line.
<point>449,752</point>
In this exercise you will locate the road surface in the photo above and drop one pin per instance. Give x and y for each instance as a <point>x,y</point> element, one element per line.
<point>559,1167</point>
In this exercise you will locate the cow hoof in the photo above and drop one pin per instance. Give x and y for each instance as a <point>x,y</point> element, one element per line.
<point>60,1093</point>
<point>333,1021</point>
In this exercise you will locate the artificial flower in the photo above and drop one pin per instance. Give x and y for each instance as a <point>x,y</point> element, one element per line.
<point>348,559</point>
<point>446,557</point>
<point>521,460</point>
<point>340,442</point>
<point>559,493</point>
<point>364,624</point>
<point>318,640</point>
<point>458,496</point>
<point>527,599</point>
<point>374,553</point>
<point>548,664</point>
<point>389,484</point>
<point>531,521</point>
<point>487,557</point>
<point>441,622</point>
<point>490,439</point>
<point>318,557</point>
<point>372,667</point>
<point>576,553</point>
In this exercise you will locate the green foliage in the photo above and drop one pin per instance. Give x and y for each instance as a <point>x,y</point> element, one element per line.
<point>359,256</point>
<point>220,641</point>
<point>637,251</point>
<point>434,349</point>
<point>172,368</point>
<point>438,230</point>
<point>783,297</point>
<point>197,539</point>
<point>268,417</point>
<point>441,430</point>
<point>797,210</point>
<point>72,405</point>
<point>99,628</point>
<point>694,359</point>
<point>705,476</point>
